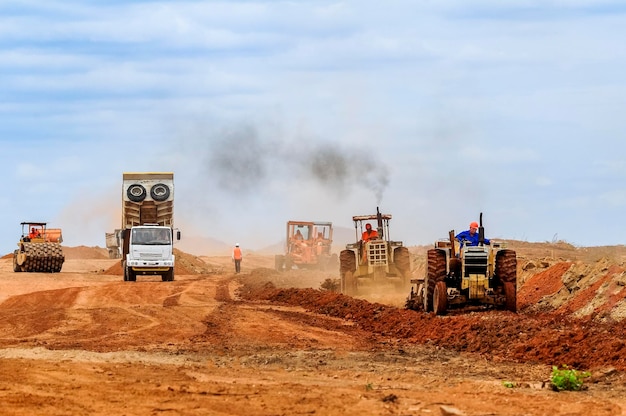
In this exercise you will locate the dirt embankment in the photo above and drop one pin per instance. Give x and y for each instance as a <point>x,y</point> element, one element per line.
<point>571,302</point>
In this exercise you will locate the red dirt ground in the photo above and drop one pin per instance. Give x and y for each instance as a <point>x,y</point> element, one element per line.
<point>266,343</point>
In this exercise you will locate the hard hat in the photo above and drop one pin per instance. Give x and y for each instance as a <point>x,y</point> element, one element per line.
<point>236,244</point>
<point>473,224</point>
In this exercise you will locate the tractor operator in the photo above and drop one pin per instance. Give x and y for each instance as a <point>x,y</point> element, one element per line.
<point>369,233</point>
<point>470,237</point>
<point>34,233</point>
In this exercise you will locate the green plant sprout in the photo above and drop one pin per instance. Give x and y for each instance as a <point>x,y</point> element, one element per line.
<point>566,378</point>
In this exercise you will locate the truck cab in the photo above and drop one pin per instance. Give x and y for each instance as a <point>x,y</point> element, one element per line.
<point>150,251</point>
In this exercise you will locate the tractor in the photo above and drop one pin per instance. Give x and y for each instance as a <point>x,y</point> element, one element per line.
<point>483,276</point>
<point>378,264</point>
<point>308,246</point>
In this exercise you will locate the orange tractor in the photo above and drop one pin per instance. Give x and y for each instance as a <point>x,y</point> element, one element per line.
<point>308,246</point>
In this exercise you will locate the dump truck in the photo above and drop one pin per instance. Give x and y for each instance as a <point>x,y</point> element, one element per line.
<point>147,233</point>
<point>479,277</point>
<point>308,246</point>
<point>376,265</point>
<point>39,249</point>
<point>114,244</point>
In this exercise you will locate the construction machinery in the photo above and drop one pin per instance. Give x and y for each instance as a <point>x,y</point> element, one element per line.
<point>39,249</point>
<point>114,244</point>
<point>480,276</point>
<point>374,265</point>
<point>146,239</point>
<point>308,246</point>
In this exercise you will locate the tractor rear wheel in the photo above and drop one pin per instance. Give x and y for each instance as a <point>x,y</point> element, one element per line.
<point>436,272</point>
<point>402,260</point>
<point>506,266</point>
<point>348,284</point>
<point>347,266</point>
<point>510,294</point>
<point>440,298</point>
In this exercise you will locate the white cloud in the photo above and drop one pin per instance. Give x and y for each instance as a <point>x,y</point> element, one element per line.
<point>466,107</point>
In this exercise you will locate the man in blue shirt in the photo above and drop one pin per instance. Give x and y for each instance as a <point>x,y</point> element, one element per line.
<point>470,237</point>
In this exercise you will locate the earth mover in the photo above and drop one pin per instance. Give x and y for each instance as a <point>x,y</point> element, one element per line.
<point>483,276</point>
<point>308,246</point>
<point>39,249</point>
<point>379,264</point>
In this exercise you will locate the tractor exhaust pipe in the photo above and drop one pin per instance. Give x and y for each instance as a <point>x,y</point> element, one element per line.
<point>481,230</point>
<point>379,222</point>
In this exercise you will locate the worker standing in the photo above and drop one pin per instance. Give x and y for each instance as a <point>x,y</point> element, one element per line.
<point>237,257</point>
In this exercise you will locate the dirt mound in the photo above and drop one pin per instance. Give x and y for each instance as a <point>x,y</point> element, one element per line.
<point>595,291</point>
<point>193,264</point>
<point>548,339</point>
<point>85,253</point>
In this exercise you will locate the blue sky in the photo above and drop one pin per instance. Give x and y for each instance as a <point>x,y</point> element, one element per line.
<point>268,111</point>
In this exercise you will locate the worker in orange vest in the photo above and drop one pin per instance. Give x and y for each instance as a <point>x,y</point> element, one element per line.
<point>237,257</point>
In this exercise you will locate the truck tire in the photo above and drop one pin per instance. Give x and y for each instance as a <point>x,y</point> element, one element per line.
<point>436,272</point>
<point>129,274</point>
<point>160,192</point>
<point>440,298</point>
<point>168,276</point>
<point>136,192</point>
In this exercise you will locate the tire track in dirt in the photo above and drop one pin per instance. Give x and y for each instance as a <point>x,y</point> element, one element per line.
<point>31,315</point>
<point>101,317</point>
<point>243,326</point>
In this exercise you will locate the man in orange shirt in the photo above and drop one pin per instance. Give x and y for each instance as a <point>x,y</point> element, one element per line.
<point>34,233</point>
<point>237,257</point>
<point>369,233</point>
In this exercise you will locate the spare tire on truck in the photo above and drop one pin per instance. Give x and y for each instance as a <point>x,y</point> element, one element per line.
<point>160,192</point>
<point>136,192</point>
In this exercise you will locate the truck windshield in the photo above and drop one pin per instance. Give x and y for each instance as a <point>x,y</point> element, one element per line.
<point>151,236</point>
